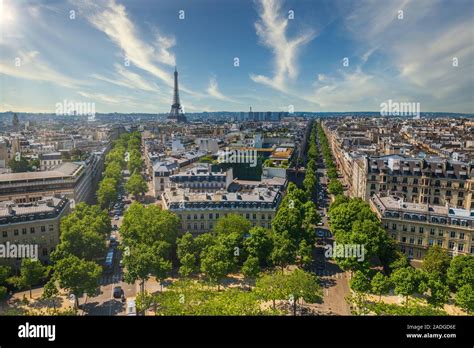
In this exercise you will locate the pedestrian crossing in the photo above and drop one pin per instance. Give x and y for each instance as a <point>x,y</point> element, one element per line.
<point>331,274</point>
<point>110,278</point>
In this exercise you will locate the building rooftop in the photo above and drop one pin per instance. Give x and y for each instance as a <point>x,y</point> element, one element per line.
<point>66,169</point>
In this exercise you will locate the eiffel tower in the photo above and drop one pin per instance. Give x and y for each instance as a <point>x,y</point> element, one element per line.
<point>176,112</point>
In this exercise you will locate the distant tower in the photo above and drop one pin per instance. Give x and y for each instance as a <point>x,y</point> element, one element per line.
<point>176,112</point>
<point>15,122</point>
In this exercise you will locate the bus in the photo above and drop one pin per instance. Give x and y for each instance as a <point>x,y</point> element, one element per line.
<point>109,261</point>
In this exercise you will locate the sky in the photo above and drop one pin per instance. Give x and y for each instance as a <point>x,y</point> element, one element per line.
<point>310,55</point>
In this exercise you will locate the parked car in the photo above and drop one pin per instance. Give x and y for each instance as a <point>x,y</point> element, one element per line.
<point>320,234</point>
<point>116,217</point>
<point>118,292</point>
<point>114,227</point>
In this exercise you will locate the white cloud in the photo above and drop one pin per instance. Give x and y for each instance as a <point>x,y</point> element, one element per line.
<point>213,91</point>
<point>126,78</point>
<point>113,20</point>
<point>31,67</point>
<point>272,32</point>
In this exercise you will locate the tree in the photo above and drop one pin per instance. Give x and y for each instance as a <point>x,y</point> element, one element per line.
<point>360,282</point>
<point>305,253</point>
<point>436,261</point>
<point>400,262</point>
<point>186,245</point>
<point>143,302</point>
<point>136,185</point>
<point>161,269</point>
<point>461,271</point>
<point>107,192</point>
<point>113,171</point>
<point>283,252</point>
<point>31,272</point>
<point>438,290</point>
<point>380,284</point>
<point>251,267</point>
<point>50,292</point>
<point>299,285</point>
<point>135,161</point>
<point>465,298</point>
<point>269,287</point>
<point>83,233</point>
<point>233,223</point>
<point>259,244</point>
<point>188,265</point>
<point>406,281</point>
<point>139,262</point>
<point>19,165</point>
<point>78,276</point>
<point>151,227</point>
<point>5,272</point>
<point>338,200</point>
<point>216,263</point>
<point>335,187</point>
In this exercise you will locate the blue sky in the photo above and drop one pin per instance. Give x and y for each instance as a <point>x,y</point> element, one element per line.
<point>46,57</point>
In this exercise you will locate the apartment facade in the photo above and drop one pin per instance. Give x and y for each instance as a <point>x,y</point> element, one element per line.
<point>199,212</point>
<point>418,226</point>
<point>34,223</point>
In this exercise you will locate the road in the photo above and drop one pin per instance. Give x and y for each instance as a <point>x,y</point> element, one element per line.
<point>333,280</point>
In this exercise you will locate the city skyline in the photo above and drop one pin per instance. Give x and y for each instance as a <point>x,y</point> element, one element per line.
<point>289,53</point>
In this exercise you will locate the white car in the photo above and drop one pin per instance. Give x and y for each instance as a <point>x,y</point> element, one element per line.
<point>116,217</point>
<point>131,309</point>
<point>320,223</point>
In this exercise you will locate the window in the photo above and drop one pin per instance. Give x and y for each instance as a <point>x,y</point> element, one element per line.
<point>217,215</point>
<point>15,232</point>
<point>461,235</point>
<point>412,240</point>
<point>5,234</point>
<point>451,245</point>
<point>421,229</point>
<point>202,216</point>
<point>51,227</point>
<point>420,241</point>
<point>430,242</point>
<point>254,216</point>
<point>394,226</point>
<point>32,230</point>
<point>440,242</point>
<point>45,251</point>
<point>195,216</point>
<point>43,228</point>
<point>23,230</point>
<point>452,234</point>
<point>404,228</point>
<point>432,231</point>
<point>460,247</point>
<point>404,239</point>
<point>210,216</point>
